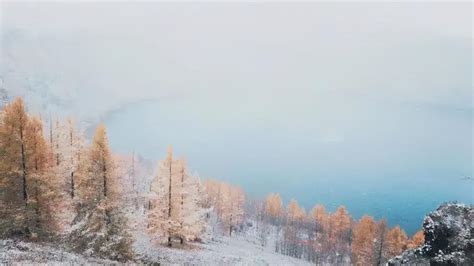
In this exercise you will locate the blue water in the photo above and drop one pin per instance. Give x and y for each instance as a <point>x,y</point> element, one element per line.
<point>399,165</point>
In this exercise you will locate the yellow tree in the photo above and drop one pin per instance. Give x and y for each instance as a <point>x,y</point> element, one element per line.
<point>295,212</point>
<point>319,215</point>
<point>274,207</point>
<point>23,161</point>
<point>292,244</point>
<point>43,185</point>
<point>417,240</point>
<point>339,233</point>
<point>227,201</point>
<point>175,209</point>
<point>396,242</point>
<point>13,151</point>
<point>363,241</point>
<point>319,218</point>
<point>102,223</point>
<point>340,224</point>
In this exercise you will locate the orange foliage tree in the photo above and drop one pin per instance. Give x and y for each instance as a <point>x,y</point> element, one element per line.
<point>396,242</point>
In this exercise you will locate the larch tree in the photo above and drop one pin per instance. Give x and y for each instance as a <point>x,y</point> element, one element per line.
<point>319,221</point>
<point>396,242</point>
<point>100,225</point>
<point>339,233</point>
<point>29,189</point>
<point>319,215</point>
<point>295,212</point>
<point>227,201</point>
<point>44,189</point>
<point>14,173</point>
<point>68,148</point>
<point>231,206</point>
<point>23,168</point>
<point>71,146</point>
<point>163,201</point>
<point>363,241</point>
<point>295,217</point>
<point>194,222</point>
<point>176,203</point>
<point>274,208</point>
<point>381,233</point>
<point>417,240</point>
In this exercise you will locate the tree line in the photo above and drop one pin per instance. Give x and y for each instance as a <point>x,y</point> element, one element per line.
<point>59,186</point>
<point>335,238</point>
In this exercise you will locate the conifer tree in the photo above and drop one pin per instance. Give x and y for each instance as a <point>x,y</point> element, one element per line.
<point>68,148</point>
<point>28,187</point>
<point>274,208</point>
<point>13,165</point>
<point>396,242</point>
<point>42,184</point>
<point>319,218</point>
<point>363,241</point>
<point>23,165</point>
<point>176,205</point>
<point>339,233</point>
<point>381,233</point>
<point>101,227</point>
<point>291,245</point>
<point>318,214</point>
<point>228,203</point>
<point>417,240</point>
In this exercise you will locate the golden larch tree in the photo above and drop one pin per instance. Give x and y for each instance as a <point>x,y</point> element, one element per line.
<point>23,165</point>
<point>396,242</point>
<point>363,241</point>
<point>274,207</point>
<point>417,240</point>
<point>101,223</point>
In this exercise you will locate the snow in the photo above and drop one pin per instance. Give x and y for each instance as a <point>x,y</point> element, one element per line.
<point>236,250</point>
<point>20,253</point>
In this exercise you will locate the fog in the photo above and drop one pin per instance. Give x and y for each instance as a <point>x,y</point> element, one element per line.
<point>366,105</point>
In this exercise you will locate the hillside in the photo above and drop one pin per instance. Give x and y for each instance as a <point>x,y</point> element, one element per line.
<point>225,251</point>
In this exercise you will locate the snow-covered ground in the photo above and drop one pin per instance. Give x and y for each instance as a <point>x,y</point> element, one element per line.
<point>225,251</point>
<point>14,252</point>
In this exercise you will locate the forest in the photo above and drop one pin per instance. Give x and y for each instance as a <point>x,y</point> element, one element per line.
<point>57,186</point>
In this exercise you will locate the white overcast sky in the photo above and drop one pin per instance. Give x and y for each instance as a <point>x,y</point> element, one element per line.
<point>131,51</point>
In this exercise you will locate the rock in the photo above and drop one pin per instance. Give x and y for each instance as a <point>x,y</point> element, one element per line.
<point>449,238</point>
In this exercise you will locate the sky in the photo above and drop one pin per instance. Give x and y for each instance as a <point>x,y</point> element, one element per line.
<point>362,104</point>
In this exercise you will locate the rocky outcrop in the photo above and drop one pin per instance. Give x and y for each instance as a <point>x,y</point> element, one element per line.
<point>449,238</point>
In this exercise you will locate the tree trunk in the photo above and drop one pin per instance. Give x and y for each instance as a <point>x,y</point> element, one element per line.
<point>169,206</point>
<point>37,211</point>
<point>23,166</point>
<point>105,178</point>
<point>230,226</point>
<point>169,194</point>
<point>72,185</point>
